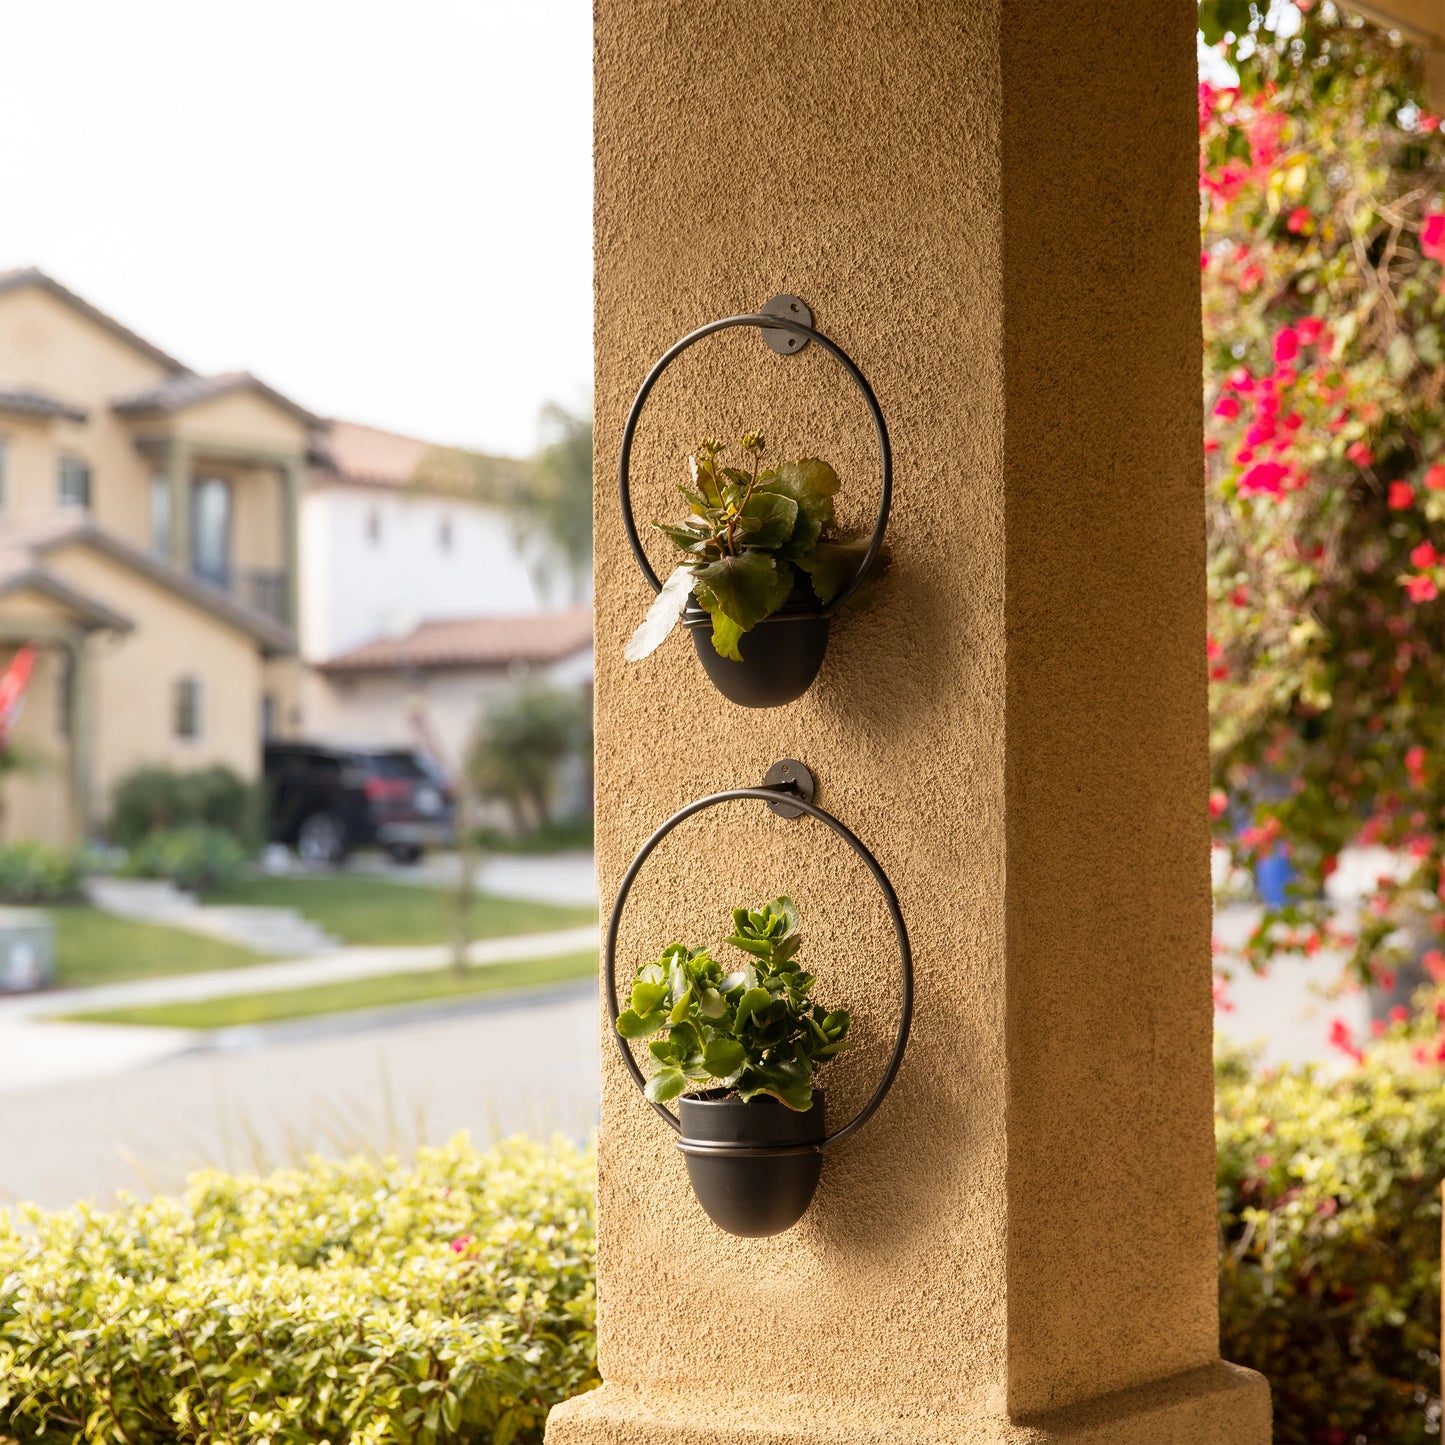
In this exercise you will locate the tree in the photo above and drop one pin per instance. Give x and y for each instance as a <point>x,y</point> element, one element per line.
<point>522,743</point>
<point>1322,189</point>
<point>553,504</point>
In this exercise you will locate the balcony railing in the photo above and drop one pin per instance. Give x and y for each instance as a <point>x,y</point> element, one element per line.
<point>267,590</point>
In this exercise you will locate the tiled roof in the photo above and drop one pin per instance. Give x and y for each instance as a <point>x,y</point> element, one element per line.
<point>367,456</point>
<point>24,401</point>
<point>178,392</point>
<point>538,637</point>
<point>23,276</point>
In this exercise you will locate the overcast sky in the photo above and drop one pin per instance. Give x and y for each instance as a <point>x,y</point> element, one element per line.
<point>382,209</point>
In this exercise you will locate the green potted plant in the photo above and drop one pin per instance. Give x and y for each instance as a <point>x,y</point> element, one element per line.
<point>763,561</point>
<point>739,1049</point>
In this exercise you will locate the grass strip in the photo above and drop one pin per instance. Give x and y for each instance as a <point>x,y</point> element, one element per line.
<point>383,991</point>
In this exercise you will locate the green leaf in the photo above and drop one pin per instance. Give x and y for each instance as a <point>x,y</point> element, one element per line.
<point>758,947</point>
<point>785,908</point>
<point>832,565</point>
<point>632,1025</point>
<point>753,1000</point>
<point>665,1084</point>
<point>664,1051</point>
<point>679,1010</point>
<point>726,634</point>
<point>768,519</point>
<point>812,484</point>
<point>747,588</point>
<point>723,1057</point>
<point>647,996</point>
<point>662,616</point>
<point>713,1005</point>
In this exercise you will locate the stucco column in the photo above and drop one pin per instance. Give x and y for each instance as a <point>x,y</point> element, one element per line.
<point>992,207</point>
<point>292,471</point>
<point>179,458</point>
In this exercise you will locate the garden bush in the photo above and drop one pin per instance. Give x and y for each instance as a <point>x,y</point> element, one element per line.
<point>32,872</point>
<point>444,1301</point>
<point>157,799</point>
<point>1329,1271</point>
<point>198,857</point>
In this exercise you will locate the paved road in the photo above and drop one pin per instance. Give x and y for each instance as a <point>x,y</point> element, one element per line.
<point>506,1067</point>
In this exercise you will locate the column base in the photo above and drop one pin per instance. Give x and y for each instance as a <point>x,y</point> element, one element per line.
<point>1218,1404</point>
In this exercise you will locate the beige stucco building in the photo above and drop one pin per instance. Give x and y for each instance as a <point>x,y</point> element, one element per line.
<point>148,547</point>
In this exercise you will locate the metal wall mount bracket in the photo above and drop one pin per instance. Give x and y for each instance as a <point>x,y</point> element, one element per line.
<point>790,778</point>
<point>791,308</point>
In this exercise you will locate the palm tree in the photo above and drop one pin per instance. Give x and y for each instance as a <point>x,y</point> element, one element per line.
<point>553,504</point>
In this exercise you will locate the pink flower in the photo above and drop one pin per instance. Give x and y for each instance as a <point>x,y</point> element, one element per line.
<point>1343,1040</point>
<point>1421,589</point>
<point>1400,496</point>
<point>1434,964</point>
<point>1264,477</point>
<point>1218,803</point>
<point>1227,407</point>
<point>1427,122</point>
<point>1310,330</point>
<point>1299,218</point>
<point>1286,345</point>
<point>1432,236</point>
<point>1399,1014</point>
<point>1362,456</point>
<point>462,1243</point>
<point>1221,996</point>
<point>1415,764</point>
<point>1424,556</point>
<point>1435,478</point>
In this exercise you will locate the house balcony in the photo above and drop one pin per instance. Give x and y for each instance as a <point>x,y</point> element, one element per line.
<point>265,590</point>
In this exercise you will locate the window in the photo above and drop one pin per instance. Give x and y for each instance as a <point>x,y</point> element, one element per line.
<point>373,526</point>
<point>268,715</point>
<point>188,707</point>
<point>211,519</point>
<point>444,534</point>
<point>161,514</point>
<point>74,481</point>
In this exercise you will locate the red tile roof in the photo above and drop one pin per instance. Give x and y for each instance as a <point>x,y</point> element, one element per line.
<point>538,637</point>
<point>367,456</point>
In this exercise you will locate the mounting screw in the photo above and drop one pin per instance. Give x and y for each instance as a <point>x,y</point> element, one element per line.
<point>786,343</point>
<point>789,776</point>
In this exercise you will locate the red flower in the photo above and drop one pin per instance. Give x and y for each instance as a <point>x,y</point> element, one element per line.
<point>1432,236</point>
<point>1218,803</point>
<point>1424,556</point>
<point>1286,345</point>
<point>1264,477</point>
<point>1399,1014</point>
<point>1401,494</point>
<point>1421,589</point>
<point>1435,478</point>
<point>1343,1040</point>
<point>1310,330</point>
<point>462,1243</point>
<point>1227,407</point>
<point>1299,218</point>
<point>1361,455</point>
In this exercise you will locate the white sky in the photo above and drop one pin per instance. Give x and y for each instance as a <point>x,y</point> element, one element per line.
<point>382,209</point>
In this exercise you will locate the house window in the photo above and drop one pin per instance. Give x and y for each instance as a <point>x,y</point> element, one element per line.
<point>444,534</point>
<point>188,707</point>
<point>211,519</point>
<point>373,526</point>
<point>161,515</point>
<point>268,715</point>
<point>74,489</point>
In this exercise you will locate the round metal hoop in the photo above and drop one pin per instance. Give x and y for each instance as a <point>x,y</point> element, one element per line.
<point>905,953</point>
<point>764,322</point>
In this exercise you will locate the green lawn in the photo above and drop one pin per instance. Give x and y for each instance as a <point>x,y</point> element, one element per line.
<point>96,947</point>
<point>381,992</point>
<point>358,909</point>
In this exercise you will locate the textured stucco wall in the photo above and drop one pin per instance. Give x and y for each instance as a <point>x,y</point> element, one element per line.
<point>1016,728</point>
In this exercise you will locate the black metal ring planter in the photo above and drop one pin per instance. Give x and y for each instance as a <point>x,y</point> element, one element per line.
<point>783,653</point>
<point>754,1167</point>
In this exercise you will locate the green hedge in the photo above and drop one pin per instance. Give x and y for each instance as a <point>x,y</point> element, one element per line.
<point>158,799</point>
<point>198,857</point>
<point>1329,1280</point>
<point>32,872</point>
<point>447,1301</point>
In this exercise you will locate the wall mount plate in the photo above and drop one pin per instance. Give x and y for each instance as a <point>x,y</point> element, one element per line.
<point>789,776</point>
<point>786,343</point>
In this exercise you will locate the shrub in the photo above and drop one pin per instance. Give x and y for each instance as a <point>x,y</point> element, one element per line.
<point>157,799</point>
<point>521,746</point>
<point>198,857</point>
<point>32,872</point>
<point>1329,1279</point>
<point>447,1301</point>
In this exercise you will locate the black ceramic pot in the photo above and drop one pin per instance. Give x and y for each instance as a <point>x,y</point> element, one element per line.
<point>754,1166</point>
<point>781,655</point>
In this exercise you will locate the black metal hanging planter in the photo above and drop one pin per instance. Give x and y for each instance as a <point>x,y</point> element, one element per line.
<point>754,1166</point>
<point>782,654</point>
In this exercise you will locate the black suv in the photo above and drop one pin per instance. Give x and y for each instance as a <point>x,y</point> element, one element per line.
<point>325,801</point>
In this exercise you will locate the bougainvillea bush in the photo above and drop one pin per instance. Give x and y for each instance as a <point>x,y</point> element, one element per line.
<point>448,1300</point>
<point>1322,189</point>
<point>1329,1271</point>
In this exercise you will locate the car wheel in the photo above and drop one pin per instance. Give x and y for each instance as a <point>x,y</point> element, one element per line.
<point>404,853</point>
<point>321,839</point>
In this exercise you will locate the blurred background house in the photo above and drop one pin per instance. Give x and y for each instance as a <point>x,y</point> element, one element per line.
<point>200,564</point>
